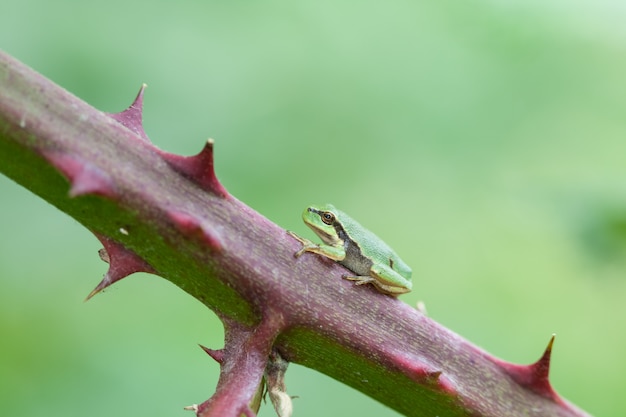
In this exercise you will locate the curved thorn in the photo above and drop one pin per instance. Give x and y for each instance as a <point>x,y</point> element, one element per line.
<point>84,177</point>
<point>132,117</point>
<point>193,226</point>
<point>217,355</point>
<point>122,262</point>
<point>198,168</point>
<point>534,377</point>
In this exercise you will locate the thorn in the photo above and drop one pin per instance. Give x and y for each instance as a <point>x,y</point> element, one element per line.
<point>84,177</point>
<point>217,355</point>
<point>132,117</point>
<point>92,180</point>
<point>535,376</point>
<point>193,226</point>
<point>122,262</point>
<point>423,373</point>
<point>539,371</point>
<point>543,364</point>
<point>96,290</point>
<point>198,168</point>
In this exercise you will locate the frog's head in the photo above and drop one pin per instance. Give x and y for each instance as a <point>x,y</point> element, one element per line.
<point>321,219</point>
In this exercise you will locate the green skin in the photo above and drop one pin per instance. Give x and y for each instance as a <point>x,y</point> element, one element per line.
<point>356,248</point>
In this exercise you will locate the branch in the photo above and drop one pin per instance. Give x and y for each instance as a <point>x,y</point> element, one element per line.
<point>169,215</point>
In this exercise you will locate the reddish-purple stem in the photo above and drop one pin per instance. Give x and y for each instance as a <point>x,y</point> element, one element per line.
<point>169,215</point>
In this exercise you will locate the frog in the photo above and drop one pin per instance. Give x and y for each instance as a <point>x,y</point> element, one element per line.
<point>348,243</point>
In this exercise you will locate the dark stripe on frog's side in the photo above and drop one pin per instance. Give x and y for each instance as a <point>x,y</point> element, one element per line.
<point>354,260</point>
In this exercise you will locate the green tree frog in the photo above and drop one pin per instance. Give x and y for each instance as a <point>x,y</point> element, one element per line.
<point>356,248</point>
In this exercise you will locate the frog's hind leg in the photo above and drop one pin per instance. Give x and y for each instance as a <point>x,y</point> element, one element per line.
<point>379,285</point>
<point>360,280</point>
<point>388,281</point>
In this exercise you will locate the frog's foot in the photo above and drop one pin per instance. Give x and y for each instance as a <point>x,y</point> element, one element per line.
<point>359,280</point>
<point>298,238</point>
<point>306,243</point>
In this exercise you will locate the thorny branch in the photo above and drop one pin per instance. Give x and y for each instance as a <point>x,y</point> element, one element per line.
<point>169,215</point>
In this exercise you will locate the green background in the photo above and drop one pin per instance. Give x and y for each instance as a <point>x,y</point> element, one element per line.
<point>485,140</point>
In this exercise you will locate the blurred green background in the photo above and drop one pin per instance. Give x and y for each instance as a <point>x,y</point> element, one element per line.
<point>485,140</point>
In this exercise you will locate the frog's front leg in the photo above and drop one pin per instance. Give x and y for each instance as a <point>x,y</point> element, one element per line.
<point>306,243</point>
<point>336,253</point>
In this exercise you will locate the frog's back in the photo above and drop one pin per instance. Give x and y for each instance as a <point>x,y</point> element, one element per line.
<point>371,245</point>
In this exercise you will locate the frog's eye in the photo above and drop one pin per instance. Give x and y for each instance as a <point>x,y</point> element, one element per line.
<point>328,217</point>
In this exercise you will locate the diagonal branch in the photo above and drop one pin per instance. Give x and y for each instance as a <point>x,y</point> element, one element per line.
<point>168,214</point>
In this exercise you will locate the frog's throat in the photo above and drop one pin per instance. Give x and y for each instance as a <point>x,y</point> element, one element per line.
<point>328,238</point>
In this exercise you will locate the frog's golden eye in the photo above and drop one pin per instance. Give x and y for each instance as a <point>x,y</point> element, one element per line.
<point>327,217</point>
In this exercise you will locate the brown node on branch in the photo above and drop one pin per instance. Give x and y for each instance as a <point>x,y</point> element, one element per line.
<point>275,383</point>
<point>122,262</point>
